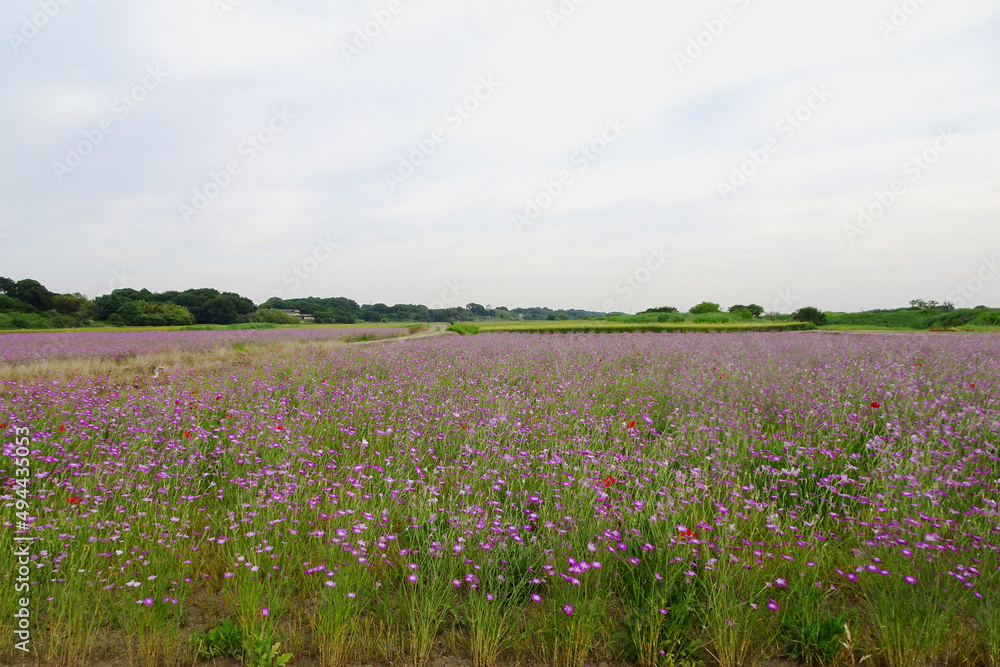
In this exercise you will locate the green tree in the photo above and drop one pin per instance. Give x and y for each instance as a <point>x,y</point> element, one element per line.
<point>810,314</point>
<point>704,307</point>
<point>274,316</point>
<point>68,304</point>
<point>477,310</point>
<point>741,312</point>
<point>32,293</point>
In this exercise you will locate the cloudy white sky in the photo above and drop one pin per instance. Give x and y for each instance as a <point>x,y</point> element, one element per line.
<point>115,116</point>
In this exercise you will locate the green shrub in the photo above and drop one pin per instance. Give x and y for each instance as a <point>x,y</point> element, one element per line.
<point>463,328</point>
<point>223,641</point>
<point>272,316</point>
<point>741,313</point>
<point>987,318</point>
<point>712,318</point>
<point>811,640</point>
<point>704,307</point>
<point>810,314</point>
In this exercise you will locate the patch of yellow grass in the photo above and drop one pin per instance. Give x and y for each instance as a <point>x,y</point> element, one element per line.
<point>144,369</point>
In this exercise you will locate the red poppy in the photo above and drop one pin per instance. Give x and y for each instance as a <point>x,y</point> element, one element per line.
<point>608,481</point>
<point>876,404</point>
<point>187,434</point>
<point>973,385</point>
<point>73,500</point>
<point>62,428</point>
<point>3,424</point>
<point>631,424</point>
<point>599,360</point>
<point>280,427</point>
<point>218,398</point>
<point>687,534</point>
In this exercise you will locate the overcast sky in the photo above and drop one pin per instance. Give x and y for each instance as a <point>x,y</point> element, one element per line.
<point>597,154</point>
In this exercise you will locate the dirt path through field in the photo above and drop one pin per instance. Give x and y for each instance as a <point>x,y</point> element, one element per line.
<point>433,329</point>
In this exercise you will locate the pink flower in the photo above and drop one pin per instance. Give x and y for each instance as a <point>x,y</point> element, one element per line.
<point>568,608</point>
<point>265,612</point>
<point>413,578</point>
<point>536,597</point>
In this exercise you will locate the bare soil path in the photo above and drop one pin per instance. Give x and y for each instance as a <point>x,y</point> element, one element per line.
<point>431,330</point>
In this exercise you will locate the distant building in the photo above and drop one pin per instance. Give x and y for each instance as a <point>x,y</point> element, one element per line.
<point>305,317</point>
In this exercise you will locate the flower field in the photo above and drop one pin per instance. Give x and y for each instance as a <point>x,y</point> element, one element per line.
<point>27,347</point>
<point>716,499</point>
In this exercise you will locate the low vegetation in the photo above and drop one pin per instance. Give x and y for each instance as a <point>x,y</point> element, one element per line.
<point>514,498</point>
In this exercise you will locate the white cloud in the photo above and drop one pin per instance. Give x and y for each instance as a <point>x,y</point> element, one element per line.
<point>656,183</point>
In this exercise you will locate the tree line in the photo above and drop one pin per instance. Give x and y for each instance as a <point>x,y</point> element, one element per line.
<point>27,304</point>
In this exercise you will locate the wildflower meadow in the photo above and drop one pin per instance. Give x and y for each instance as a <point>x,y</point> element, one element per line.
<point>656,499</point>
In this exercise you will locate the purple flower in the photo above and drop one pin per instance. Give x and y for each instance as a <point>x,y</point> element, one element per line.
<point>568,608</point>
<point>772,605</point>
<point>910,580</point>
<point>413,578</point>
<point>781,582</point>
<point>265,612</point>
<point>536,597</point>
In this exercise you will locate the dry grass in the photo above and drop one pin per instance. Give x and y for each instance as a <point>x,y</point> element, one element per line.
<point>139,370</point>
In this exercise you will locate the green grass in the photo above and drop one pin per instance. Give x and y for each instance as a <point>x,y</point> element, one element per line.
<point>465,328</point>
<point>584,326</point>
